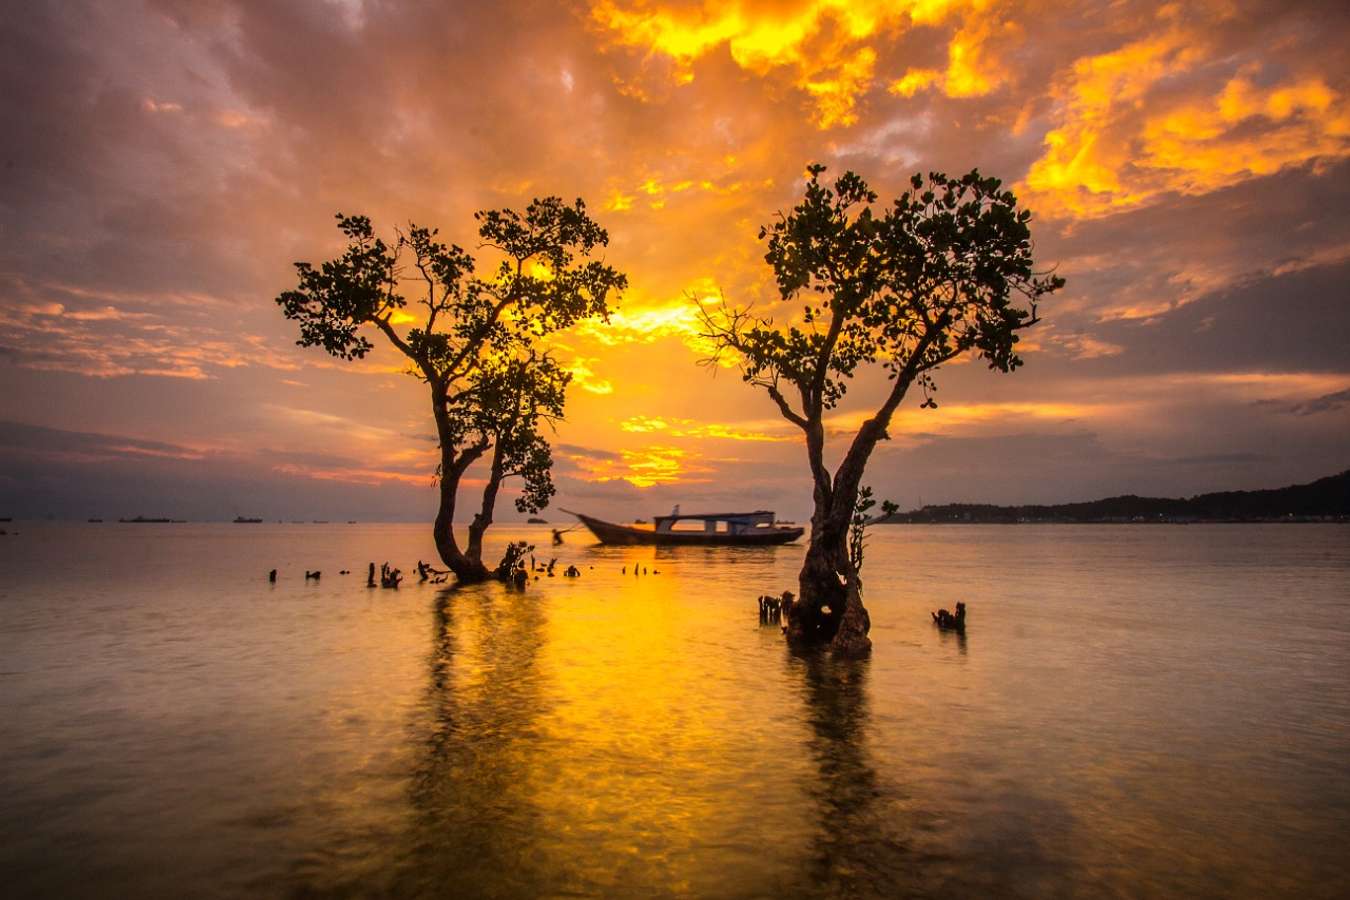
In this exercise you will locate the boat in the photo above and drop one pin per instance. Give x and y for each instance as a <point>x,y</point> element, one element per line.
<point>95,520</point>
<point>244,520</point>
<point>535,520</point>
<point>742,529</point>
<point>150,520</point>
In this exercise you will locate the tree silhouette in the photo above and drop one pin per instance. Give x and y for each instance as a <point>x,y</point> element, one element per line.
<point>933,276</point>
<point>474,342</point>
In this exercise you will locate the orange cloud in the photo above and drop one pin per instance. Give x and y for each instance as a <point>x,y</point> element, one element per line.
<point>584,377</point>
<point>644,467</point>
<point>972,70</point>
<point>911,420</point>
<point>151,105</point>
<point>353,475</point>
<point>1247,131</point>
<point>1124,142</point>
<point>827,46</point>
<point>658,192</point>
<point>676,427</point>
<point>644,324</point>
<point>1079,346</point>
<point>110,334</point>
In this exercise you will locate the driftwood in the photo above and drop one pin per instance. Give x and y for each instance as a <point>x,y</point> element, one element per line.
<point>427,572</point>
<point>512,567</point>
<point>774,610</point>
<point>946,620</point>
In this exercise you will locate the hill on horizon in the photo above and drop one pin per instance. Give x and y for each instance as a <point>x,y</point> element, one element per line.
<point>1326,498</point>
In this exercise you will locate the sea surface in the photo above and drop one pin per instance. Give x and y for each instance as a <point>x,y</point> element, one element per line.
<point>1134,711</point>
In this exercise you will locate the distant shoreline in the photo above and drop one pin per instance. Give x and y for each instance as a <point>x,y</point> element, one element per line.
<point>1296,520</point>
<point>1324,500</point>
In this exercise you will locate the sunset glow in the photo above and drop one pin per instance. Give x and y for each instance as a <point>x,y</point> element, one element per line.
<point>699,448</point>
<point>1186,164</point>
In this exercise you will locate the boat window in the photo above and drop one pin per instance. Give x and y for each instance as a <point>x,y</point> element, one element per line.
<point>687,525</point>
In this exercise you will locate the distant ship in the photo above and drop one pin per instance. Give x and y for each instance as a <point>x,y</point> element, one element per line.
<point>95,519</point>
<point>243,520</point>
<point>535,520</point>
<point>146,520</point>
<point>748,529</point>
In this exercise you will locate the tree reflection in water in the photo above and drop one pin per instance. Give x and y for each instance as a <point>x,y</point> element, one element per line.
<point>853,851</point>
<point>473,824</point>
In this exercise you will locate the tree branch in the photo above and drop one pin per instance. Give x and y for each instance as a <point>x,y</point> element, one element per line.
<point>382,322</point>
<point>783,406</point>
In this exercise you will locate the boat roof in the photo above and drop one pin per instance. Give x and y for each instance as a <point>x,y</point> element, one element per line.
<point>718,516</point>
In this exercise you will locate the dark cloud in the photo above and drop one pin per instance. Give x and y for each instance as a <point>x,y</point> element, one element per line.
<point>1268,323</point>
<point>18,437</point>
<point>50,472</point>
<point>1222,459</point>
<point>586,452</point>
<point>1322,404</point>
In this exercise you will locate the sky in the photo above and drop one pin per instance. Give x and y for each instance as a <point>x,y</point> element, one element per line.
<point>165,163</point>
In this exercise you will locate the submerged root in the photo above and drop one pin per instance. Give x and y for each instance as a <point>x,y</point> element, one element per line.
<point>513,566</point>
<point>774,610</point>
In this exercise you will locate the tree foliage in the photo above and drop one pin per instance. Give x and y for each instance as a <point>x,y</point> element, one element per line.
<point>473,340</point>
<point>937,274</point>
<point>861,521</point>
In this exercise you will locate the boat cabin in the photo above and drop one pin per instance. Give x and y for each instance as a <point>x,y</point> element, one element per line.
<point>717,523</point>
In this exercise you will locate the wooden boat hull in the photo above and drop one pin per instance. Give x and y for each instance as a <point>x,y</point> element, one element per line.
<point>609,533</point>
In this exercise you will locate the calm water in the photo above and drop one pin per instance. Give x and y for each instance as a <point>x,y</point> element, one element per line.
<point>1135,711</point>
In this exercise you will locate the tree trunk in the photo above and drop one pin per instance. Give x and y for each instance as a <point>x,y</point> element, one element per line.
<point>850,638</point>
<point>467,569</point>
<point>483,518</point>
<point>815,615</point>
<point>830,609</point>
